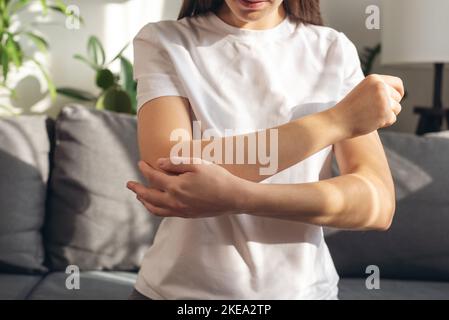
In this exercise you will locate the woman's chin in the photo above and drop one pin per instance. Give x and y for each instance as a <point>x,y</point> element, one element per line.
<point>253,5</point>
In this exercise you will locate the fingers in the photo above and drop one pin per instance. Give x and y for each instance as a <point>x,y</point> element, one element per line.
<point>154,196</point>
<point>161,212</point>
<point>395,99</point>
<point>176,165</point>
<point>395,89</point>
<point>153,200</point>
<point>391,119</point>
<point>395,83</point>
<point>396,107</point>
<point>157,178</point>
<point>395,96</point>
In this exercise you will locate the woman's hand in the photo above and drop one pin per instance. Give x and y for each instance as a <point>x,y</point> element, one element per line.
<point>372,105</point>
<point>189,190</point>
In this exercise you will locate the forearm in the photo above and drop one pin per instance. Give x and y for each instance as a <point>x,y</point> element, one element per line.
<point>293,142</point>
<point>356,201</point>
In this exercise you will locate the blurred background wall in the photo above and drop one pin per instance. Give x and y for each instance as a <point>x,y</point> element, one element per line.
<point>116,22</point>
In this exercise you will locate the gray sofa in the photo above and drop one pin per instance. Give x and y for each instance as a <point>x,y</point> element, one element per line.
<point>63,202</point>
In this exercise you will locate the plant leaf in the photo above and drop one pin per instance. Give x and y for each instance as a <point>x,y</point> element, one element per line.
<point>95,51</point>
<point>44,5</point>
<point>115,99</point>
<point>57,10</point>
<point>77,94</point>
<point>368,56</point>
<point>50,84</point>
<point>119,54</point>
<point>63,9</point>
<point>14,50</point>
<point>15,6</point>
<point>126,74</point>
<point>128,83</point>
<point>61,5</point>
<point>5,64</point>
<point>105,79</point>
<point>39,41</point>
<point>87,61</point>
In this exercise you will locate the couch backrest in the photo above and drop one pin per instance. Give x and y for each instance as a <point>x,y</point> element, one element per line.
<point>24,169</point>
<point>93,220</point>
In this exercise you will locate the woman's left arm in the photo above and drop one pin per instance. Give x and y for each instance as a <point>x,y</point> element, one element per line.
<point>362,198</point>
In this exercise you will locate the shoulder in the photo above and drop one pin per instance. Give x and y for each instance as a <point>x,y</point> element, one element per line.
<point>326,37</point>
<point>151,31</point>
<point>330,46</point>
<point>166,30</point>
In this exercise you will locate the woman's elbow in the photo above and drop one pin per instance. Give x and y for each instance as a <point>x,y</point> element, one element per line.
<point>371,210</point>
<point>382,218</point>
<point>385,220</point>
<point>151,152</point>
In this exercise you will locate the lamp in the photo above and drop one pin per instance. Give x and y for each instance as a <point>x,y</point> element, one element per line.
<point>417,31</point>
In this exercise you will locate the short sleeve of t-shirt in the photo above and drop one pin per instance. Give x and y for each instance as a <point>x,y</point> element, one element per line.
<point>153,68</point>
<point>353,73</point>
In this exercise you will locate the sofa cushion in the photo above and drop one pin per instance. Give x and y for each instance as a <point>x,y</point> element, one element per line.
<point>24,163</point>
<point>441,134</point>
<point>94,221</point>
<point>93,285</point>
<point>355,289</point>
<point>417,244</point>
<point>17,286</point>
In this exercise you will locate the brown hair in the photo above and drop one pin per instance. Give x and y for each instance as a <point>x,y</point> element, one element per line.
<point>306,11</point>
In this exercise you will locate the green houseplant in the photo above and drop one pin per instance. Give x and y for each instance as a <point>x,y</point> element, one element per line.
<point>117,90</point>
<point>368,58</point>
<point>12,55</point>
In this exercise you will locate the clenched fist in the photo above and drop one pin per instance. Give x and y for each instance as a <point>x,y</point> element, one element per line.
<point>373,104</point>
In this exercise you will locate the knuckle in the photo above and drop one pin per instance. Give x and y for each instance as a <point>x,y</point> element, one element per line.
<point>386,115</point>
<point>145,194</point>
<point>400,81</point>
<point>172,188</point>
<point>382,116</point>
<point>385,110</point>
<point>372,77</point>
<point>183,185</point>
<point>391,120</point>
<point>180,206</point>
<point>379,86</point>
<point>380,109</point>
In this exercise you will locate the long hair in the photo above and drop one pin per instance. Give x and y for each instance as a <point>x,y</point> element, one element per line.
<point>305,11</point>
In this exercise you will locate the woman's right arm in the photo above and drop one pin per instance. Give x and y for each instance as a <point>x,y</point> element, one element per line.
<point>373,104</point>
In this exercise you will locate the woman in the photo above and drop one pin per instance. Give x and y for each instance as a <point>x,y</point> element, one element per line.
<point>231,232</point>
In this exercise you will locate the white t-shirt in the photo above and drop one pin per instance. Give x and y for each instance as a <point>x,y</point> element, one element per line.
<point>244,80</point>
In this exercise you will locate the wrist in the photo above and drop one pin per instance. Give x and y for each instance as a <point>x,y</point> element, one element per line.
<point>337,123</point>
<point>246,196</point>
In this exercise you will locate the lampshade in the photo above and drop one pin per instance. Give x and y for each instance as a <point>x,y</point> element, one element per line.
<point>415,31</point>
